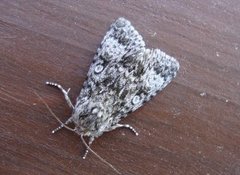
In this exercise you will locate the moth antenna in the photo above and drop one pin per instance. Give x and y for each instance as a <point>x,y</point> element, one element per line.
<point>49,109</point>
<point>103,160</point>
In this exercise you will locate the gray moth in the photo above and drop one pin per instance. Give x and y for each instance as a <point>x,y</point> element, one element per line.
<point>122,77</point>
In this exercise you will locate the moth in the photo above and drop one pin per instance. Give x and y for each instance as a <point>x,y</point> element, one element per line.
<point>122,77</point>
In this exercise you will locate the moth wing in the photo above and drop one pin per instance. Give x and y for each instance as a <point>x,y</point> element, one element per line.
<point>124,74</point>
<point>151,71</point>
<point>121,41</point>
<point>133,80</point>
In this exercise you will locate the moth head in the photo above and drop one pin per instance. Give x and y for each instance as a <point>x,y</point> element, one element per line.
<point>86,120</point>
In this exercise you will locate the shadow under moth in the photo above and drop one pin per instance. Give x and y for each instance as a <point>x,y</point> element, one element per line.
<point>123,75</point>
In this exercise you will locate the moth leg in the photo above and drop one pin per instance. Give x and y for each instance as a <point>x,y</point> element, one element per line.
<point>65,93</point>
<point>61,126</point>
<point>123,126</point>
<point>91,139</point>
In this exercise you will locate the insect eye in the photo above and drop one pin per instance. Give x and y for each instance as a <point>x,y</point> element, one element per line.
<point>98,68</point>
<point>136,99</point>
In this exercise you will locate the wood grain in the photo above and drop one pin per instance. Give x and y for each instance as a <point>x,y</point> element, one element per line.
<point>191,128</point>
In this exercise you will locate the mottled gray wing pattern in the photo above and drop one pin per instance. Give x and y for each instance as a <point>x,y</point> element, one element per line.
<point>122,40</point>
<point>124,74</point>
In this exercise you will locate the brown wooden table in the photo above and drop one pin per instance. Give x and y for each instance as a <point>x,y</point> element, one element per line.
<point>192,127</point>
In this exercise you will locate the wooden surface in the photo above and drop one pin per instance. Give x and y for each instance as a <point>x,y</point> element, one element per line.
<point>192,127</point>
